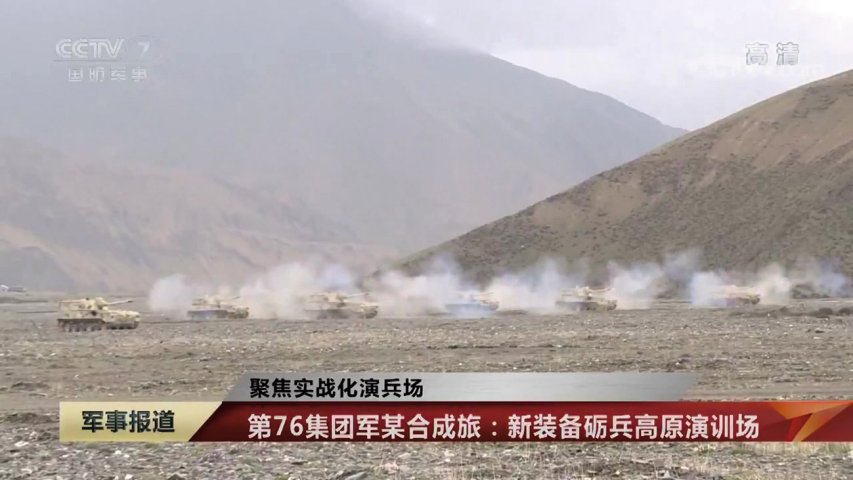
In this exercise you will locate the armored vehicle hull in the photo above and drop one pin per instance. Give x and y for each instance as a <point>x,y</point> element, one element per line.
<point>740,301</point>
<point>480,303</point>
<point>327,313</point>
<point>211,307</point>
<point>734,296</point>
<point>585,299</point>
<point>586,305</point>
<point>94,323</point>
<point>216,314</point>
<point>95,314</point>
<point>339,305</point>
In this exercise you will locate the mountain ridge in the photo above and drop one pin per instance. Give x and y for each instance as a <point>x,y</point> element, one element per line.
<point>94,225</point>
<point>757,186</point>
<point>320,123</point>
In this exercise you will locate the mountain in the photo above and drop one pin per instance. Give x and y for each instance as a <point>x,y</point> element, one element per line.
<point>403,140</point>
<point>67,223</point>
<point>769,183</point>
<point>269,131</point>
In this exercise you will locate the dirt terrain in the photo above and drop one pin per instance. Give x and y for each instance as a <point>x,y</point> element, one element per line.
<point>737,354</point>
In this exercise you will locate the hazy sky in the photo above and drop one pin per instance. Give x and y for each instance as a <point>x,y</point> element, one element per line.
<point>683,62</point>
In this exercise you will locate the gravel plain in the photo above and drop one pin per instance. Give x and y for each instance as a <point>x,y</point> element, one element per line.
<point>757,353</point>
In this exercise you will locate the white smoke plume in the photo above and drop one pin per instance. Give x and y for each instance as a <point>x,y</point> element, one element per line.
<point>773,284</point>
<point>680,267</point>
<point>703,287</point>
<point>278,293</point>
<point>537,288</point>
<point>637,286</point>
<point>173,294</point>
<point>821,276</point>
<point>402,295</point>
<point>274,294</point>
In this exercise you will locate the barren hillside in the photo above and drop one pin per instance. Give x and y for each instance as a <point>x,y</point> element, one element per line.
<point>403,141</point>
<point>769,183</point>
<point>67,224</point>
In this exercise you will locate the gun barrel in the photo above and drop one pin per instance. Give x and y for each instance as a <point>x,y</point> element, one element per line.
<point>120,302</point>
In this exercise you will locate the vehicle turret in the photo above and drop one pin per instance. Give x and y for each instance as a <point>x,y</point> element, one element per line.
<point>472,303</point>
<point>95,314</point>
<point>332,304</point>
<point>734,295</point>
<point>214,307</point>
<point>585,298</point>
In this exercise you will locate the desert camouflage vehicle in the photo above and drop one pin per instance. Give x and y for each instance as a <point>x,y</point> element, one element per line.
<point>472,303</point>
<point>339,305</point>
<point>733,295</point>
<point>585,299</point>
<point>95,314</point>
<point>212,307</point>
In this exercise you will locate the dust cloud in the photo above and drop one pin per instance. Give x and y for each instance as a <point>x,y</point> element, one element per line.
<point>536,288</point>
<point>173,294</point>
<point>278,293</point>
<point>774,283</point>
<point>402,294</point>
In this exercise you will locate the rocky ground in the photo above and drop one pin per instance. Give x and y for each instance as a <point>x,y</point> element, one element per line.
<point>741,354</point>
